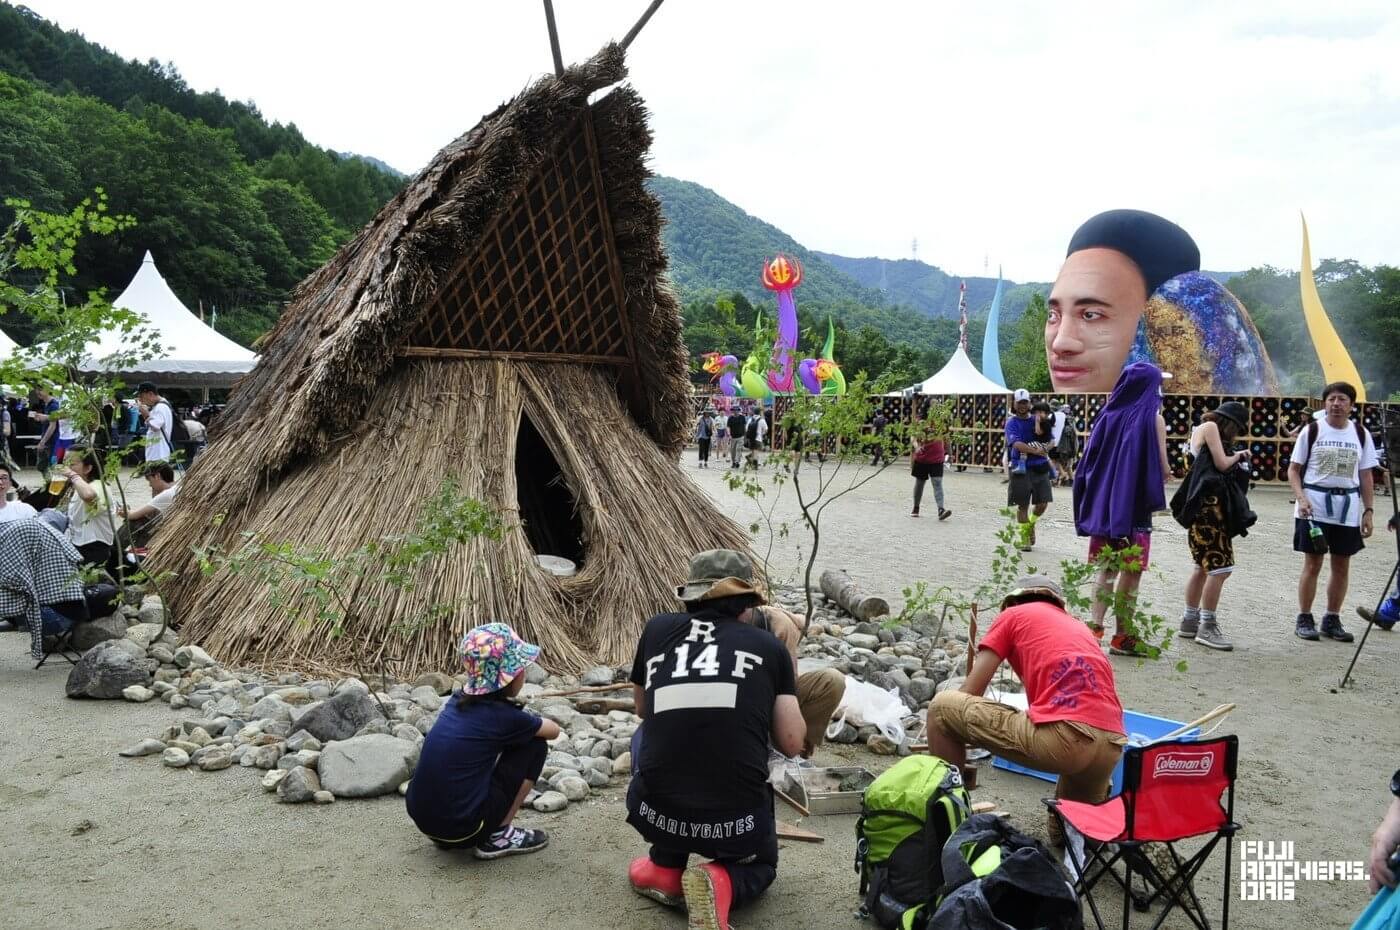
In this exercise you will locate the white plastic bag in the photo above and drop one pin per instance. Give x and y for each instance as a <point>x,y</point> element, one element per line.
<point>865,703</point>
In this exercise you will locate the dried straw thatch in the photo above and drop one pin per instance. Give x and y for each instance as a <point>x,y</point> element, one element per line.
<point>302,454</point>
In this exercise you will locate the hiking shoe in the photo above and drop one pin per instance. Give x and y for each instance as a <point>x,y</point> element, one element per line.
<point>1124,644</point>
<point>1189,626</point>
<point>708,895</point>
<point>1332,629</point>
<point>511,841</point>
<point>656,882</point>
<point>944,514</point>
<point>1209,635</point>
<point>1304,628</point>
<point>1366,613</point>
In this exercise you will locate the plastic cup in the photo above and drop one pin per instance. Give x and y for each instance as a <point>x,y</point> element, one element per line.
<point>57,483</point>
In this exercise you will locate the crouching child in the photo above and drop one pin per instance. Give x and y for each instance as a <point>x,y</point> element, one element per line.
<point>484,754</point>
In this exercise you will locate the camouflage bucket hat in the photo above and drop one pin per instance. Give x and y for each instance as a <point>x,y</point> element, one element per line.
<point>718,573</point>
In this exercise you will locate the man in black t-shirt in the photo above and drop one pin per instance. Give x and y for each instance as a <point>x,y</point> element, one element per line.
<point>713,691</point>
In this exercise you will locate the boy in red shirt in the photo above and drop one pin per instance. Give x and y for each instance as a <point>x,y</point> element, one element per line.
<point>1074,724</point>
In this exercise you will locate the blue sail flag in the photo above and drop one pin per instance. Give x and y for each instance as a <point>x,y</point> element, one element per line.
<point>991,354</point>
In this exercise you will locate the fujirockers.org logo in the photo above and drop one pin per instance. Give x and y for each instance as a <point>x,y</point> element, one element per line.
<point>1269,871</point>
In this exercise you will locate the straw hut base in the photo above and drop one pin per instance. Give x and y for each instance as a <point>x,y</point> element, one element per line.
<point>549,447</point>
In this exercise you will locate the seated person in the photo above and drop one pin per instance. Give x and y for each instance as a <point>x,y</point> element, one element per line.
<point>484,754</point>
<point>712,692</point>
<point>1074,724</point>
<point>91,528</point>
<point>818,691</point>
<point>141,522</point>
<point>16,509</point>
<point>39,586</point>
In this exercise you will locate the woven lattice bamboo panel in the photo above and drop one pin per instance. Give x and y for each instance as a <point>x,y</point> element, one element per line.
<point>542,280</point>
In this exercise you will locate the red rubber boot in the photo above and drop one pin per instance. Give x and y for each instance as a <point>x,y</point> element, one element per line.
<point>708,894</point>
<point>656,882</point>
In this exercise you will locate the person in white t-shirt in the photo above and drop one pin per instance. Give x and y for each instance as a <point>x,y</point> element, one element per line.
<point>1330,472</point>
<point>91,528</point>
<point>141,521</point>
<point>12,510</point>
<point>160,420</point>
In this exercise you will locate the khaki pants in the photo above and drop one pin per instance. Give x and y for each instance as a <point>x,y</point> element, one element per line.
<point>818,693</point>
<point>1083,756</point>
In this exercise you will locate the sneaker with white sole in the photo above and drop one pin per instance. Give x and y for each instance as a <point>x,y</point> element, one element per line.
<point>511,841</point>
<point>1188,627</point>
<point>1208,634</point>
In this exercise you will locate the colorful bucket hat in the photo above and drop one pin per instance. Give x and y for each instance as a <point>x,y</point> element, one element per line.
<point>494,656</point>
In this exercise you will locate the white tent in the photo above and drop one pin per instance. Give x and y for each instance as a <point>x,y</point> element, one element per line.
<point>192,352</point>
<point>959,376</point>
<point>7,345</point>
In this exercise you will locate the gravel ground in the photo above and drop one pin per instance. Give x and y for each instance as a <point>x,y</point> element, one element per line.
<point>93,840</point>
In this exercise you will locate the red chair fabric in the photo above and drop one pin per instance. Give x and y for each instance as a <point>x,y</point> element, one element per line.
<point>1171,791</point>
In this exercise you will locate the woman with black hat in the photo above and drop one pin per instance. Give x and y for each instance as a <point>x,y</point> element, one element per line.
<point>1210,504</point>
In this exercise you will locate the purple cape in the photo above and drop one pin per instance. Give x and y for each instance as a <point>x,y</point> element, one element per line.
<point>1118,485</point>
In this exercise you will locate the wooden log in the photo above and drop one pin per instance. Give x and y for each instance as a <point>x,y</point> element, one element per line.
<point>602,705</point>
<point>838,586</point>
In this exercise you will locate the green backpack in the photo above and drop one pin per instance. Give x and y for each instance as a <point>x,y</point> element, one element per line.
<point>907,815</point>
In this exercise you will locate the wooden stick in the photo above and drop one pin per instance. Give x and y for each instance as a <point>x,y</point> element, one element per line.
<point>795,806</point>
<point>553,38</point>
<point>589,689</point>
<point>1220,711</point>
<point>632,33</point>
<point>787,831</point>
<point>982,807</point>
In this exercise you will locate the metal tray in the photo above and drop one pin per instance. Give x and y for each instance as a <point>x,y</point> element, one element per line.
<point>811,788</point>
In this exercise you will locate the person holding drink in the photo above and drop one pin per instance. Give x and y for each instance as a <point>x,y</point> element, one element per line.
<point>91,528</point>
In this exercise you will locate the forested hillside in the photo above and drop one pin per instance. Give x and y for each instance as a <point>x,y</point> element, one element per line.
<point>235,210</point>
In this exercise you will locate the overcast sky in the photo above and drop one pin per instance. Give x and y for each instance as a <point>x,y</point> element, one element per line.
<point>987,131</point>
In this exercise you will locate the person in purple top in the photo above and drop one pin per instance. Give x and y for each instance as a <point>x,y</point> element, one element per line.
<point>1119,485</point>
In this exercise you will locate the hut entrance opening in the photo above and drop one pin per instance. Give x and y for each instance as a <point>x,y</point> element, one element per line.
<point>547,506</point>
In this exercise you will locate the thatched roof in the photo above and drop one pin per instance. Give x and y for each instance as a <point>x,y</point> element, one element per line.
<point>521,272</point>
<point>347,321</point>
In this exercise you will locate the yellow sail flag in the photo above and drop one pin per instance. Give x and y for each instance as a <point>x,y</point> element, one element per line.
<point>1336,360</point>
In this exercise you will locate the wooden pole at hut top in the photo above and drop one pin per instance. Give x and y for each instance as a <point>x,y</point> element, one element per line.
<point>553,38</point>
<point>632,33</point>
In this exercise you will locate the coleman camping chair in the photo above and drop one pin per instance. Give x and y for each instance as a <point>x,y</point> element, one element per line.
<point>1172,791</point>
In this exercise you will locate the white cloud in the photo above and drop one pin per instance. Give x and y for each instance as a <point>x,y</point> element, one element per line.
<point>987,132</point>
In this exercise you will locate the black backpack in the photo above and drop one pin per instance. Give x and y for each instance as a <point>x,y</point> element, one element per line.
<point>751,431</point>
<point>996,877</point>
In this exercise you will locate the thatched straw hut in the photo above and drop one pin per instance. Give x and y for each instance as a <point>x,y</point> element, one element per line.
<point>506,319</point>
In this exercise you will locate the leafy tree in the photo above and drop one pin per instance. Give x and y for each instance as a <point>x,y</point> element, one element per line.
<point>1023,359</point>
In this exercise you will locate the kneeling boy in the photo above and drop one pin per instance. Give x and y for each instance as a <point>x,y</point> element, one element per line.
<point>1074,723</point>
<point>713,690</point>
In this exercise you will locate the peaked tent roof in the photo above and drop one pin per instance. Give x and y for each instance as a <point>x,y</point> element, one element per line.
<point>7,345</point>
<point>960,376</point>
<point>193,350</point>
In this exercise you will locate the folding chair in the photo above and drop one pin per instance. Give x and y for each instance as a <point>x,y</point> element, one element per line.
<point>60,644</point>
<point>1171,791</point>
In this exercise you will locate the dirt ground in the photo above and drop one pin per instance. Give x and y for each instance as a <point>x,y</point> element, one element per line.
<point>92,840</point>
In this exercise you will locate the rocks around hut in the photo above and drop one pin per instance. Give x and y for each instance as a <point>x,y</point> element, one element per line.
<point>91,632</point>
<point>340,717</point>
<point>109,668</point>
<point>366,766</point>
